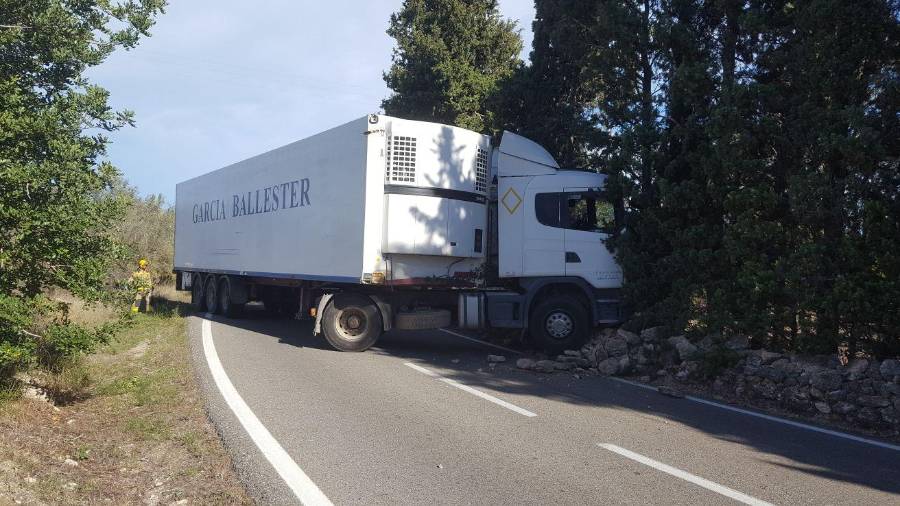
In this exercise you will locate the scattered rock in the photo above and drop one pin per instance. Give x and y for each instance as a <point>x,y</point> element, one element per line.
<point>890,368</point>
<point>843,408</point>
<point>826,380</point>
<point>609,367</point>
<point>822,407</point>
<point>525,363</point>
<point>30,480</point>
<point>564,366</point>
<point>738,343</point>
<point>653,334</point>
<point>454,361</point>
<point>873,401</point>
<point>856,369</point>
<point>70,486</point>
<point>671,392</point>
<point>572,353</point>
<point>545,366</point>
<point>71,463</point>
<point>868,417</point>
<point>616,346</point>
<point>496,358</point>
<point>684,347</point>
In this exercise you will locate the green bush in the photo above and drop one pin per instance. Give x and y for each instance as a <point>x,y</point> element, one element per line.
<point>716,360</point>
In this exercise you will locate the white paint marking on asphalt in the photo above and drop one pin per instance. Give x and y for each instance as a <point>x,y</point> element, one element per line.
<point>684,475</point>
<point>475,392</point>
<point>792,423</point>
<point>504,348</point>
<point>305,490</point>
<point>422,370</point>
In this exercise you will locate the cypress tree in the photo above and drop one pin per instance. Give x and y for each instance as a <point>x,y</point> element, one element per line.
<point>449,57</point>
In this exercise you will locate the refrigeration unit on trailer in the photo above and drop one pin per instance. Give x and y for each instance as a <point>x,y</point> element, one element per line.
<point>386,223</point>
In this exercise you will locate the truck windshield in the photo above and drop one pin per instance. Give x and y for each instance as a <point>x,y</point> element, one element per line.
<point>590,212</point>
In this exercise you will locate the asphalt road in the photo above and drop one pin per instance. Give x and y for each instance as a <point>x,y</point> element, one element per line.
<point>423,419</point>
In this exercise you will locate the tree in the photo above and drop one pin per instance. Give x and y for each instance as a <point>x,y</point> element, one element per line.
<point>449,58</point>
<point>56,212</point>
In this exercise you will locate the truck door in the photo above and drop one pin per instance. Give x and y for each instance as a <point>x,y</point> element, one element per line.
<point>587,218</point>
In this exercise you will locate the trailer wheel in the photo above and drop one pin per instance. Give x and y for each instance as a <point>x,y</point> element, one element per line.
<point>558,324</point>
<point>197,298</point>
<point>226,306</point>
<point>351,322</point>
<point>211,295</point>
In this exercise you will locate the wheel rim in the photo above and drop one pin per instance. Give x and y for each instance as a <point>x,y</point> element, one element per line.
<point>559,325</point>
<point>352,323</point>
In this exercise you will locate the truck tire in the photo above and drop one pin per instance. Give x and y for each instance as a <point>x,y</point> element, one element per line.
<point>226,306</point>
<point>351,322</point>
<point>422,320</point>
<point>197,296</point>
<point>211,295</point>
<point>559,323</point>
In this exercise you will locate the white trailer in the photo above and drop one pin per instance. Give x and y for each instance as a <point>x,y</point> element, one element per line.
<point>388,223</point>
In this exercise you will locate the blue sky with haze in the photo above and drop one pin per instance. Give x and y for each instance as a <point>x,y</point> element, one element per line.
<point>219,82</point>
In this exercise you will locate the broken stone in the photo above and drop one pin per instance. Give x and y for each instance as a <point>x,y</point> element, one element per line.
<point>738,343</point>
<point>71,463</point>
<point>653,333</point>
<point>843,408</point>
<point>525,363</point>
<point>564,366</point>
<point>826,380</point>
<point>684,347</point>
<point>873,401</point>
<point>890,368</point>
<point>616,346</point>
<point>822,407</point>
<point>496,358</point>
<point>856,369</point>
<point>609,367</point>
<point>572,353</point>
<point>545,366</point>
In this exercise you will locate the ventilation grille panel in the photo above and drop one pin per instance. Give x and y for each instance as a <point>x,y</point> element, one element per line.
<point>401,159</point>
<point>481,170</point>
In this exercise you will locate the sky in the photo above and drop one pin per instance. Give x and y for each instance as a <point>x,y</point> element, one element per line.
<point>219,82</point>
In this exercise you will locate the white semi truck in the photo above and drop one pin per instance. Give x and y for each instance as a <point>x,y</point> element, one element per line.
<point>384,223</point>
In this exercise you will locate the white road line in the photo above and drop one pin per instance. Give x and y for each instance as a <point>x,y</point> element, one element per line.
<point>504,348</point>
<point>678,473</point>
<point>305,490</point>
<point>792,423</point>
<point>466,388</point>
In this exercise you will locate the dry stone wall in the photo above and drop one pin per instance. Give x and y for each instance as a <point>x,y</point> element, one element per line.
<point>863,392</point>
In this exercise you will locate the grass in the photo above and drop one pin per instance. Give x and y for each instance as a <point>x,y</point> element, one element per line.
<point>137,431</point>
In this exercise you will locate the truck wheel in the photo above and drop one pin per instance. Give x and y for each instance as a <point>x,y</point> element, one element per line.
<point>422,319</point>
<point>558,324</point>
<point>226,306</point>
<point>351,322</point>
<point>211,295</point>
<point>197,299</point>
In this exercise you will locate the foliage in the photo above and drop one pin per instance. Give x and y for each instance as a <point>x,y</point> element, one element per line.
<point>752,151</point>
<point>717,360</point>
<point>449,58</point>
<point>56,211</point>
<point>147,230</point>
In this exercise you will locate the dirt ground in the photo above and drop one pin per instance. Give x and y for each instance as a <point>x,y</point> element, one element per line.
<point>139,436</point>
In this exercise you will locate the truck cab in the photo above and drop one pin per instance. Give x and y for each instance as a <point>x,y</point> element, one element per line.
<point>552,227</point>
